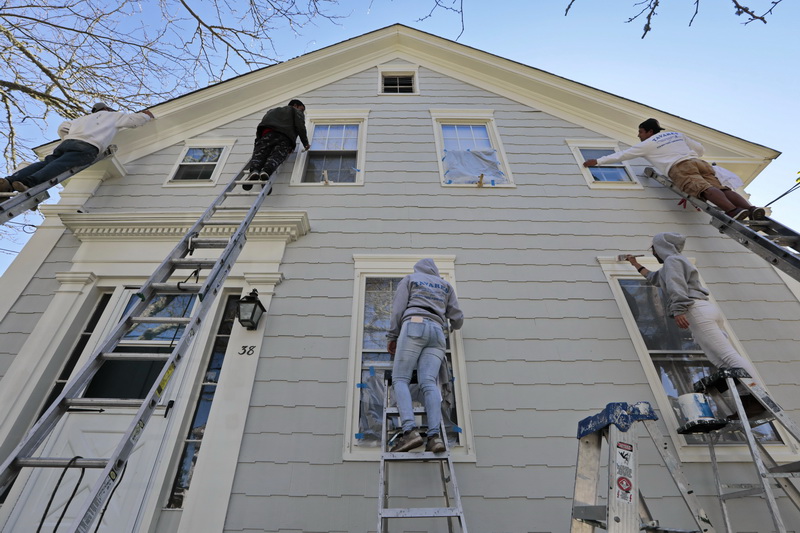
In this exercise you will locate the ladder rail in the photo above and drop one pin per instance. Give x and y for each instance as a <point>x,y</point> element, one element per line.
<point>779,256</point>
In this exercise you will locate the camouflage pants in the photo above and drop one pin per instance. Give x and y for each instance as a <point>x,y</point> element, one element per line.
<point>270,151</point>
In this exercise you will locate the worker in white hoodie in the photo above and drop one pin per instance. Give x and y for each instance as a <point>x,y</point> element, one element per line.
<point>678,156</point>
<point>82,139</point>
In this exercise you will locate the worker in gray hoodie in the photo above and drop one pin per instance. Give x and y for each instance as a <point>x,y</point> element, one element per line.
<point>82,140</point>
<point>421,309</point>
<point>688,301</point>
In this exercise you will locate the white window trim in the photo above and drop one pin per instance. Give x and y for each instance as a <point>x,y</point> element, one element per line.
<point>470,116</point>
<point>398,69</point>
<point>369,265</point>
<point>576,144</point>
<point>615,270</point>
<point>336,116</point>
<point>225,143</point>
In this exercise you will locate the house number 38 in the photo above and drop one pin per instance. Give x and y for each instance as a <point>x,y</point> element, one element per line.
<point>247,350</point>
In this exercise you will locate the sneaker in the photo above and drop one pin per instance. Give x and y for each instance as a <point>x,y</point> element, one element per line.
<point>5,185</point>
<point>19,186</point>
<point>253,176</point>
<point>435,444</point>
<point>738,213</point>
<point>407,441</point>
<point>757,213</point>
<point>263,175</point>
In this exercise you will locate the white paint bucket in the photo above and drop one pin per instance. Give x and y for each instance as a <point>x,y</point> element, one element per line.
<point>695,407</point>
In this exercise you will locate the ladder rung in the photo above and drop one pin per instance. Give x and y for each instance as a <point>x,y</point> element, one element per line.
<point>590,512</point>
<point>160,320</point>
<point>420,512</point>
<point>209,242</point>
<point>227,222</point>
<point>246,193</point>
<point>60,462</point>
<point>184,262</point>
<point>230,208</point>
<point>755,491</point>
<point>415,456</point>
<point>131,356</point>
<point>97,403</point>
<point>394,411</point>
<point>174,288</point>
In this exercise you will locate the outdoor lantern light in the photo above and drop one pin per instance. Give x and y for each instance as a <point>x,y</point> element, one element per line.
<point>250,310</point>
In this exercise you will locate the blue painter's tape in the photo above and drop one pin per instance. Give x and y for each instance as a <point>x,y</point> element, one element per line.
<point>359,435</point>
<point>372,371</point>
<point>361,385</point>
<point>457,429</point>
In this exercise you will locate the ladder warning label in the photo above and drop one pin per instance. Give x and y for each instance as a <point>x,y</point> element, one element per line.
<point>624,472</point>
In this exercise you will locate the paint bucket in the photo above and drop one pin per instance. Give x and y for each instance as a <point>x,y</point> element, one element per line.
<point>695,407</point>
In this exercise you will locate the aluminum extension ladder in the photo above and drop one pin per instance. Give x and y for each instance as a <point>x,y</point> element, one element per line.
<point>452,510</point>
<point>721,387</point>
<point>157,285</point>
<point>15,203</point>
<point>626,510</point>
<point>778,244</point>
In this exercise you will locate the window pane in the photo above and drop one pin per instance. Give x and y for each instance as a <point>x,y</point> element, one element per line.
<point>184,477</point>
<point>609,174</point>
<point>398,84</point>
<point>649,307</point>
<point>202,155</point>
<point>170,305</point>
<point>595,153</point>
<point>339,166</point>
<point>466,137</point>
<point>378,311</point>
<point>193,172</point>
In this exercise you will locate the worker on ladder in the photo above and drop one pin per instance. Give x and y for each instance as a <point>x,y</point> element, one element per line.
<point>82,140</point>
<point>275,139</point>
<point>689,305</point>
<point>421,309</point>
<point>678,156</point>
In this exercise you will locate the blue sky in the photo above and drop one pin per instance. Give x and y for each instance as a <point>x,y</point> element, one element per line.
<point>739,79</point>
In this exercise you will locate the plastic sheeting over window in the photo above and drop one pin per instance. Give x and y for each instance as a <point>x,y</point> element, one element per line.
<point>466,167</point>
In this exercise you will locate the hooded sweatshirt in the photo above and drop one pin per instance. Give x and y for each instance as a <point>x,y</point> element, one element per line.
<point>99,129</point>
<point>678,277</point>
<point>424,294</point>
<point>662,150</point>
<point>287,120</point>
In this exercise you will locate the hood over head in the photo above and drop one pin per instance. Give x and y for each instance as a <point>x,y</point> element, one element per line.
<point>667,244</point>
<point>426,266</point>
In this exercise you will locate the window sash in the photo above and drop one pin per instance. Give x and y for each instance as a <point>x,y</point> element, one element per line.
<point>398,84</point>
<point>606,172</point>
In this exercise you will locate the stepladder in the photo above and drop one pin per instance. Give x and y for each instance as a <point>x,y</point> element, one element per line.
<point>13,204</point>
<point>208,250</point>
<point>414,480</point>
<point>625,510</point>
<point>743,406</point>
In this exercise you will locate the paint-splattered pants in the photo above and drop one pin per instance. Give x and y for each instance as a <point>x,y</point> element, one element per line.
<point>269,151</point>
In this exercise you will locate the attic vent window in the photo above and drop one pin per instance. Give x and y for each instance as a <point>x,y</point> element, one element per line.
<point>398,84</point>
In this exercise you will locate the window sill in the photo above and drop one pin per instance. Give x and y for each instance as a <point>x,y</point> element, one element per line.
<point>189,183</point>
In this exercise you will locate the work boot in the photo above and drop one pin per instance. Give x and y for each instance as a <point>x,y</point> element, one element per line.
<point>5,185</point>
<point>407,441</point>
<point>435,444</point>
<point>19,186</point>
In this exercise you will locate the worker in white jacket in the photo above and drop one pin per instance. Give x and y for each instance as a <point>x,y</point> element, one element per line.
<point>82,139</point>
<point>678,156</point>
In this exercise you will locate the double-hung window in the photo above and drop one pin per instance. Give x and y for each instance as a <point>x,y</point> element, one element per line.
<point>611,175</point>
<point>469,148</point>
<point>336,155</point>
<point>375,284</point>
<point>201,162</point>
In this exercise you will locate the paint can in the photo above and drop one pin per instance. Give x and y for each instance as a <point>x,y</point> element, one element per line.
<point>695,407</point>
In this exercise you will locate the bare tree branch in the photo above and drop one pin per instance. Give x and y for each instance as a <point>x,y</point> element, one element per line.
<point>649,11</point>
<point>459,8</point>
